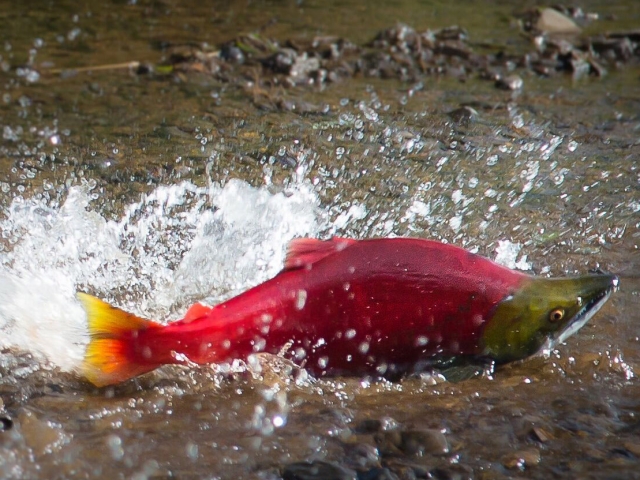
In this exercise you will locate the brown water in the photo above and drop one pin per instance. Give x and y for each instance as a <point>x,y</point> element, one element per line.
<point>155,191</point>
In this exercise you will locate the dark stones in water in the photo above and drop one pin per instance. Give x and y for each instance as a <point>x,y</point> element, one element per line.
<point>373,425</point>
<point>404,53</point>
<point>378,474</point>
<point>522,459</point>
<point>510,82</point>
<point>318,470</point>
<point>5,423</point>
<point>412,442</point>
<point>463,115</point>
<point>361,456</point>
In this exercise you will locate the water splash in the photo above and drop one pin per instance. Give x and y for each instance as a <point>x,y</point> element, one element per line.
<point>177,243</point>
<point>507,255</point>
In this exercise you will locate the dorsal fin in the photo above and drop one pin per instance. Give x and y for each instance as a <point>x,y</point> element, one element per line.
<point>197,310</point>
<point>303,252</point>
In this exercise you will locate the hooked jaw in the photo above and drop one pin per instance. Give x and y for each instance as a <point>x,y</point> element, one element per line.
<point>542,313</point>
<point>601,290</point>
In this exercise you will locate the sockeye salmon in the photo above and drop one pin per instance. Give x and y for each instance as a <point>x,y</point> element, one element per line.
<point>357,307</point>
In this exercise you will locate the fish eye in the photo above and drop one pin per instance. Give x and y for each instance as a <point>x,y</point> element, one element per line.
<point>556,315</point>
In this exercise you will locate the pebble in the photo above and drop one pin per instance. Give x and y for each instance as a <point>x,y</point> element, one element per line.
<point>373,425</point>
<point>378,474</point>
<point>389,442</point>
<point>522,459</point>
<point>454,472</point>
<point>318,470</point>
<point>429,441</point>
<point>633,447</point>
<point>552,21</point>
<point>5,423</point>
<point>463,115</point>
<point>541,435</point>
<point>510,82</point>
<point>362,455</point>
<point>412,442</point>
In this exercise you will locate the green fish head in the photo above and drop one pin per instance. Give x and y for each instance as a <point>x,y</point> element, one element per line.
<point>542,313</point>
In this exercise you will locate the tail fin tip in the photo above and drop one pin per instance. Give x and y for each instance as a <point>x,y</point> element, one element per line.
<point>107,360</point>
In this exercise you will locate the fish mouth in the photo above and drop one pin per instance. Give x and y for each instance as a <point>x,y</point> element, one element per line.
<point>597,298</point>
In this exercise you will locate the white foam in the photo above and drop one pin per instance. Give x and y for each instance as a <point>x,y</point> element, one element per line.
<point>507,255</point>
<point>175,244</point>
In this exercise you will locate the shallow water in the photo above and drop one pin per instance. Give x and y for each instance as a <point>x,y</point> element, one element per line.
<point>156,192</point>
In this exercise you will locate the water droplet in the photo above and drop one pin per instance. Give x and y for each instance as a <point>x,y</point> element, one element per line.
<point>259,344</point>
<point>279,421</point>
<point>192,450</point>
<point>455,223</point>
<point>301,299</point>
<point>114,443</point>
<point>73,33</point>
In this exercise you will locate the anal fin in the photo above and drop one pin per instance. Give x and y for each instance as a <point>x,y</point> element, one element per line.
<point>196,311</point>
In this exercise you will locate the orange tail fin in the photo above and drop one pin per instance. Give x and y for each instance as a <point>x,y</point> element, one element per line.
<point>107,359</point>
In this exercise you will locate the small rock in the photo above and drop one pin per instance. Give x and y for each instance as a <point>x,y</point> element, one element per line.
<point>619,452</point>
<point>232,53</point>
<point>303,66</point>
<point>373,425</point>
<point>633,448</point>
<point>510,82</point>
<point>463,115</point>
<point>389,443</point>
<point>522,459</point>
<point>282,61</point>
<point>596,68</point>
<point>552,21</point>
<point>541,435</point>
<point>579,66</point>
<point>378,474</point>
<point>5,423</point>
<point>362,455</point>
<point>454,472</point>
<point>407,471</point>
<point>420,442</point>
<point>368,425</point>
<point>318,470</point>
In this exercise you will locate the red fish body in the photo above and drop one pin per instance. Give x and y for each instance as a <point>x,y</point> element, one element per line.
<point>379,306</point>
